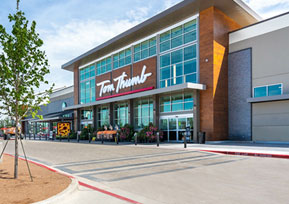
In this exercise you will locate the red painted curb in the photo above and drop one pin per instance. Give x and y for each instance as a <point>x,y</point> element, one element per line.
<point>80,183</point>
<point>252,154</point>
<point>108,193</point>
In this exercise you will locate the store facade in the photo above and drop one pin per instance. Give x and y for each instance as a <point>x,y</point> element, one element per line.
<point>170,70</point>
<point>52,114</point>
<point>258,68</point>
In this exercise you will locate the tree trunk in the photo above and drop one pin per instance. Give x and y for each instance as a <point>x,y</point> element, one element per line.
<point>16,151</point>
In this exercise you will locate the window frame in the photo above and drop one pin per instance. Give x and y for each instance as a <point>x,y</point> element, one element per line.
<point>267,89</point>
<point>171,38</point>
<point>90,79</point>
<point>106,64</point>
<point>150,116</point>
<point>183,65</point>
<point>118,113</point>
<point>119,59</point>
<point>140,51</point>
<point>99,109</point>
<point>170,103</point>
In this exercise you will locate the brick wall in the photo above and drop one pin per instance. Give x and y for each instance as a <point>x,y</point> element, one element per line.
<point>214,40</point>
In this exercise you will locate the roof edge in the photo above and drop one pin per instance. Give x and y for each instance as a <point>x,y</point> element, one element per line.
<point>248,9</point>
<point>69,65</point>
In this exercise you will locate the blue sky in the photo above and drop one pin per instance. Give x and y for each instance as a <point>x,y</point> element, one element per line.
<point>72,27</point>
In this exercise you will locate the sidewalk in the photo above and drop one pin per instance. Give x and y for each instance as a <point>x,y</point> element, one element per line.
<point>236,147</point>
<point>263,149</point>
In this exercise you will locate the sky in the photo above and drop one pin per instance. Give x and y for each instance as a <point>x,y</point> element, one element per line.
<point>71,27</point>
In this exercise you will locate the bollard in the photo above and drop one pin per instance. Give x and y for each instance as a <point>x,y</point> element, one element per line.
<point>68,138</point>
<point>185,140</point>
<point>46,136</point>
<point>89,138</point>
<point>116,138</point>
<point>135,138</point>
<point>158,139</point>
<point>60,138</point>
<point>102,139</point>
<point>29,136</point>
<point>187,134</point>
<point>202,137</point>
<point>78,137</point>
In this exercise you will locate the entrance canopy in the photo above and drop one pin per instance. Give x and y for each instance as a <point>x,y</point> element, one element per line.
<point>52,117</point>
<point>175,88</point>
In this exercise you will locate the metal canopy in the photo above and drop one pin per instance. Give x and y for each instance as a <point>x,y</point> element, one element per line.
<point>180,87</point>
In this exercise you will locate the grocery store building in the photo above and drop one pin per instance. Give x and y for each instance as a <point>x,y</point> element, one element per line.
<point>52,114</point>
<point>174,70</point>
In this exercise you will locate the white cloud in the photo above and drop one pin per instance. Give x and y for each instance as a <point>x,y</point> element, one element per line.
<point>138,14</point>
<point>170,3</point>
<point>63,43</point>
<point>269,8</point>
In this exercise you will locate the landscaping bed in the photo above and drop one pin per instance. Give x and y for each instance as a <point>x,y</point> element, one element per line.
<point>45,185</point>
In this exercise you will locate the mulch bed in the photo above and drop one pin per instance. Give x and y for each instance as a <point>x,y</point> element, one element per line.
<point>45,185</point>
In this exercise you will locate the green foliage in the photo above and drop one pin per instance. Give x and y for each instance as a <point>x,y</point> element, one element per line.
<point>23,65</point>
<point>126,132</point>
<point>148,133</point>
<point>84,133</point>
<point>72,134</point>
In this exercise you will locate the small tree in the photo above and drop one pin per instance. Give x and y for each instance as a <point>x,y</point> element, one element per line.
<point>23,66</point>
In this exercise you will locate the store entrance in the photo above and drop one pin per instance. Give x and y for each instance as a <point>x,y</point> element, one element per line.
<point>173,127</point>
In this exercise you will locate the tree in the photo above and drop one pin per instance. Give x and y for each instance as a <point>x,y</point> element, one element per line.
<point>23,66</point>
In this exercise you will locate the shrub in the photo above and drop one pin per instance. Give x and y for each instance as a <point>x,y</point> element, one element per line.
<point>148,133</point>
<point>84,133</point>
<point>72,135</point>
<point>126,132</point>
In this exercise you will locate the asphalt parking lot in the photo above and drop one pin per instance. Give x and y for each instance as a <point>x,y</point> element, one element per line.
<point>169,175</point>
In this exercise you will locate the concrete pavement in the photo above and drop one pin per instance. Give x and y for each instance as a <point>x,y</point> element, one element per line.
<point>169,174</point>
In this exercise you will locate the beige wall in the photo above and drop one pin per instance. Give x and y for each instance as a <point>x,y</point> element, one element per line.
<point>271,121</point>
<point>270,57</point>
<point>270,65</point>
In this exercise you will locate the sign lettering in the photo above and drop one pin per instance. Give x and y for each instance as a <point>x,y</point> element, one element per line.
<point>122,83</point>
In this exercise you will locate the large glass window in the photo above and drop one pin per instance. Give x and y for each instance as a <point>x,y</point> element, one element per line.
<point>176,102</point>
<point>122,58</point>
<point>87,72</point>
<point>103,116</point>
<point>103,66</point>
<point>145,49</point>
<point>87,91</point>
<point>179,67</point>
<point>143,112</point>
<point>42,127</point>
<point>268,90</point>
<point>87,84</point>
<point>120,114</point>
<point>86,114</point>
<point>31,127</point>
<point>178,36</point>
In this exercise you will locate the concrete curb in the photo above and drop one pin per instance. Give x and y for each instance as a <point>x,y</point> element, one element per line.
<point>1,148</point>
<point>252,154</point>
<point>62,195</point>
